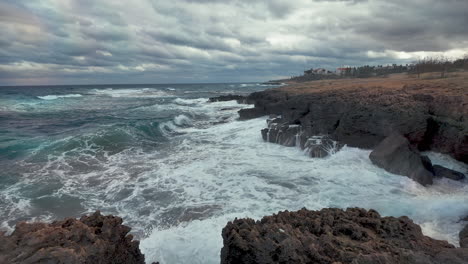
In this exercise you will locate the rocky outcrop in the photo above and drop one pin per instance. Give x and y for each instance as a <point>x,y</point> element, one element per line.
<point>279,131</point>
<point>329,236</point>
<point>440,171</point>
<point>394,154</point>
<point>431,114</point>
<point>229,97</point>
<point>91,239</point>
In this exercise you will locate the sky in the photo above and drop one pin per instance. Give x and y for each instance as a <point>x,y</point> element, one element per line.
<point>45,42</point>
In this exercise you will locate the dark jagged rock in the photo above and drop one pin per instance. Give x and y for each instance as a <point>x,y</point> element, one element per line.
<point>91,239</point>
<point>329,236</point>
<point>229,97</point>
<point>361,113</point>
<point>321,146</point>
<point>394,154</point>
<point>279,131</point>
<point>440,171</point>
<point>464,237</point>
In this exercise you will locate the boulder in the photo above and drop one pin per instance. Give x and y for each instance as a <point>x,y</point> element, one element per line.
<point>440,171</point>
<point>395,155</point>
<point>91,239</point>
<point>354,236</point>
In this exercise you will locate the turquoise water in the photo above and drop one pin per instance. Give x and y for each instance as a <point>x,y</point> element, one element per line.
<point>177,168</point>
<point>59,144</point>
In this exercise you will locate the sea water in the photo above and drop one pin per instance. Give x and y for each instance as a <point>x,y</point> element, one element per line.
<point>177,168</point>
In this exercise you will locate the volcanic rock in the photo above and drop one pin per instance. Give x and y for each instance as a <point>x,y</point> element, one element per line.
<point>395,155</point>
<point>91,239</point>
<point>329,236</point>
<point>432,114</point>
<point>229,97</point>
<point>440,171</point>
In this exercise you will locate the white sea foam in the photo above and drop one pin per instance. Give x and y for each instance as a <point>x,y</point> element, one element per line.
<point>54,97</point>
<point>178,200</point>
<point>135,93</point>
<point>182,120</point>
<point>236,170</point>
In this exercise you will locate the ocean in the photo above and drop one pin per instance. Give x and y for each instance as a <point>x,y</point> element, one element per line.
<point>177,168</point>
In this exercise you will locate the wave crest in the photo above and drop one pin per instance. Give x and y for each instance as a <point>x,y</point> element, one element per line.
<point>54,97</point>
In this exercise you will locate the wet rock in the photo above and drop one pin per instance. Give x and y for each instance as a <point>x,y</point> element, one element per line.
<point>250,113</point>
<point>281,134</point>
<point>91,239</point>
<point>321,146</point>
<point>329,236</point>
<point>440,171</point>
<point>395,155</point>
<point>463,235</point>
<point>362,114</point>
<point>229,97</point>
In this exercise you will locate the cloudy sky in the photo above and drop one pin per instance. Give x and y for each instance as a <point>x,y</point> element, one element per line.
<point>167,41</point>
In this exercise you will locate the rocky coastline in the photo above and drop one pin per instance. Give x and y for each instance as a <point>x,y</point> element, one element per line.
<point>397,117</point>
<point>328,236</point>
<point>320,117</point>
<point>432,114</point>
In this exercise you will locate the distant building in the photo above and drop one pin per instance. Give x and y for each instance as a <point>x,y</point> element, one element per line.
<point>318,71</point>
<point>342,70</point>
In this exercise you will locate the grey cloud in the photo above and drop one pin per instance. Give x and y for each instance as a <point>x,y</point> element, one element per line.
<point>209,40</point>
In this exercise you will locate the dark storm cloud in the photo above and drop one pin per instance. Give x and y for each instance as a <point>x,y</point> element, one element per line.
<point>73,41</point>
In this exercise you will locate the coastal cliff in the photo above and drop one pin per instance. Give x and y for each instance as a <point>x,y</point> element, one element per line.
<point>430,113</point>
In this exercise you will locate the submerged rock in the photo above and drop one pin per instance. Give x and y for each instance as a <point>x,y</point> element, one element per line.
<point>91,239</point>
<point>440,171</point>
<point>395,155</point>
<point>329,236</point>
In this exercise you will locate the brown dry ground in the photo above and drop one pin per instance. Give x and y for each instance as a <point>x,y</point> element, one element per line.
<point>454,87</point>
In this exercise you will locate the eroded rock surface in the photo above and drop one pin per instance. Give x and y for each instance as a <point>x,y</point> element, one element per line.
<point>279,131</point>
<point>91,239</point>
<point>329,236</point>
<point>431,114</point>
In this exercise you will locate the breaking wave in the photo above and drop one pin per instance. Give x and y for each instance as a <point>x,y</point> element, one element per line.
<point>54,97</point>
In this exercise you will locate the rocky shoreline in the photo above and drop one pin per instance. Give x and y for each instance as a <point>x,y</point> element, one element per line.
<point>320,117</point>
<point>431,114</point>
<point>328,236</point>
<point>90,239</point>
<point>396,117</point>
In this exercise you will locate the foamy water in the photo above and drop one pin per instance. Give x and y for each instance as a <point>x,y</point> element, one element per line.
<point>179,178</point>
<point>230,168</point>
